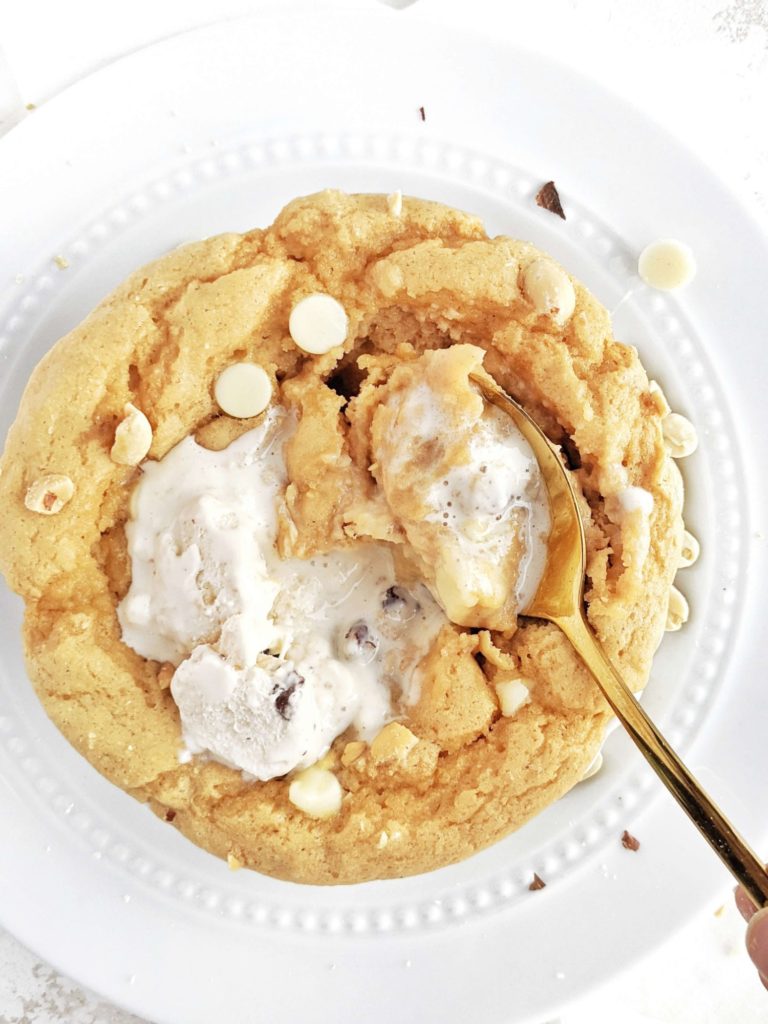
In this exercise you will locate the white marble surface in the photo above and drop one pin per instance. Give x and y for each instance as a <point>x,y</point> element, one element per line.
<point>700,67</point>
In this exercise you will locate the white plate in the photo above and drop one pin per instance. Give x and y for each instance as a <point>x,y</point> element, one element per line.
<point>213,131</point>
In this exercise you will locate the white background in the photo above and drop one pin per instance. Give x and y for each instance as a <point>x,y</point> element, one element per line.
<point>700,67</point>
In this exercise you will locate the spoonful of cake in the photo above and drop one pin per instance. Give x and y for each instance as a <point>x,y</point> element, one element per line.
<point>559,598</point>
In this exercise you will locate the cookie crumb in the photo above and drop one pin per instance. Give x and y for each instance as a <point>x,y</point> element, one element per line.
<point>548,198</point>
<point>422,114</point>
<point>629,842</point>
<point>720,911</point>
<point>61,261</point>
<point>30,106</point>
<point>537,883</point>
<point>233,862</point>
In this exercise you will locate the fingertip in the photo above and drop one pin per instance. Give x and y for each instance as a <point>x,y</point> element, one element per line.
<point>757,941</point>
<point>746,907</point>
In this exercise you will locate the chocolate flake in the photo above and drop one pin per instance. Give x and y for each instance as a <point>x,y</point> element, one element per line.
<point>629,842</point>
<point>399,604</point>
<point>361,641</point>
<point>422,114</point>
<point>283,698</point>
<point>537,883</point>
<point>548,198</point>
<point>394,596</point>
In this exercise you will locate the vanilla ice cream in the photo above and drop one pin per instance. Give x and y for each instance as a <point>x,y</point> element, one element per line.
<point>274,658</point>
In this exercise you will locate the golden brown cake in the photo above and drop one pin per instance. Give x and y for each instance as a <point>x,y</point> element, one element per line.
<point>504,719</point>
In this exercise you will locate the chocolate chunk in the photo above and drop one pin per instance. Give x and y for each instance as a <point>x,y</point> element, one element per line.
<point>571,452</point>
<point>537,883</point>
<point>284,694</point>
<point>360,643</point>
<point>422,114</point>
<point>629,842</point>
<point>399,604</point>
<point>170,814</point>
<point>548,198</point>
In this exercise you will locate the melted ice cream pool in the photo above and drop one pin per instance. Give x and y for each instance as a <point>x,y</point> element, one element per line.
<point>274,658</point>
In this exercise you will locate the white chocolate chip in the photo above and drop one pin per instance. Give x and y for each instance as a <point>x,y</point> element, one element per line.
<point>317,792</point>
<point>318,323</point>
<point>550,290</point>
<point>49,494</point>
<point>243,390</point>
<point>666,264</point>
<point>677,610</point>
<point>512,695</point>
<point>690,550</point>
<point>393,743</point>
<point>659,397</point>
<point>395,203</point>
<point>679,435</point>
<point>133,437</point>
<point>594,766</point>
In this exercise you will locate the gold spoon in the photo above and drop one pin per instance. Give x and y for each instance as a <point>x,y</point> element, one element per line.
<point>560,599</point>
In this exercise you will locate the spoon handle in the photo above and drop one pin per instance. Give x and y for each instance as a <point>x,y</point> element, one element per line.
<point>730,847</point>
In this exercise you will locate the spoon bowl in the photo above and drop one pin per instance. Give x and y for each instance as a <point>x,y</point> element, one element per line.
<point>559,599</point>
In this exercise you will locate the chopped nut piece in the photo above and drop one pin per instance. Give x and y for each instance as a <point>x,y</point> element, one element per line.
<point>679,435</point>
<point>512,694</point>
<point>629,842</point>
<point>133,437</point>
<point>677,611</point>
<point>234,863</point>
<point>383,840</point>
<point>395,203</point>
<point>49,494</point>
<point>690,550</point>
<point>352,752</point>
<point>394,742</point>
<point>317,792</point>
<point>549,290</point>
<point>548,198</point>
<point>537,883</point>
